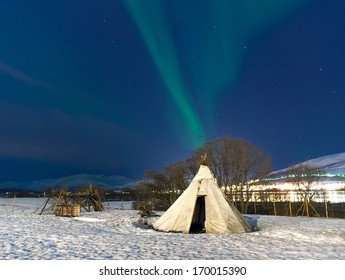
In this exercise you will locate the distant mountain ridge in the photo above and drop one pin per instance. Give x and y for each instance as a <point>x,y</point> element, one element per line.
<point>333,164</point>
<point>73,181</point>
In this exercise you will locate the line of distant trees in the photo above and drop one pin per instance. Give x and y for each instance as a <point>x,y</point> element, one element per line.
<point>235,163</point>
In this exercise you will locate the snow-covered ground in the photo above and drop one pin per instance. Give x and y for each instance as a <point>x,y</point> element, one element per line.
<point>120,235</point>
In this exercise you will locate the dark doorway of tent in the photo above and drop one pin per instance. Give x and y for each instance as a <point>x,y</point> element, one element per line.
<point>199,215</point>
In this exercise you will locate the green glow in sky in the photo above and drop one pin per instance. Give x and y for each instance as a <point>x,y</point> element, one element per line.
<point>202,44</point>
<point>149,18</point>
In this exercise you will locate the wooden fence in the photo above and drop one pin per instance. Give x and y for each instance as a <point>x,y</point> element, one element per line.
<point>292,203</point>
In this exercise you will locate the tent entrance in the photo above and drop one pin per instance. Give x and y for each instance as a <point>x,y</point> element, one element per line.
<point>199,215</point>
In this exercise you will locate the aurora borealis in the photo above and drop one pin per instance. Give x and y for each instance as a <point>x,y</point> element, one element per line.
<point>118,87</point>
<point>212,39</point>
<point>160,46</point>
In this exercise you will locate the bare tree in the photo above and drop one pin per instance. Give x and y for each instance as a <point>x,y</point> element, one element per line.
<point>235,163</point>
<point>178,179</point>
<point>148,189</point>
<point>304,178</point>
<point>160,189</point>
<point>251,164</point>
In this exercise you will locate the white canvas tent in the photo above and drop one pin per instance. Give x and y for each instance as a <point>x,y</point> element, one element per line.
<point>202,207</point>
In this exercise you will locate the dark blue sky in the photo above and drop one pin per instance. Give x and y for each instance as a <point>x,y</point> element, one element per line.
<point>119,87</point>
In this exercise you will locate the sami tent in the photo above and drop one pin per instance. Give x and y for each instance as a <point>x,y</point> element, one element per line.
<point>202,207</point>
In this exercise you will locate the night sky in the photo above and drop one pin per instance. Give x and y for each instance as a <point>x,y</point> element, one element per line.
<point>119,87</point>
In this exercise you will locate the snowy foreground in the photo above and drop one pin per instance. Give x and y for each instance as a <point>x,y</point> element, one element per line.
<point>120,235</point>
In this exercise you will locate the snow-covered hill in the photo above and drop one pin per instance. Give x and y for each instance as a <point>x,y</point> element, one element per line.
<point>106,182</point>
<point>331,164</point>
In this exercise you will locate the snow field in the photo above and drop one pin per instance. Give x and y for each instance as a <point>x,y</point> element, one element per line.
<point>121,235</point>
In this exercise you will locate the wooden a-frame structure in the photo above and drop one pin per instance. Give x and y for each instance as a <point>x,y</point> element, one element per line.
<point>84,199</point>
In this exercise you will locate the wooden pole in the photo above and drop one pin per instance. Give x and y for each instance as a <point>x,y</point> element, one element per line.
<point>326,205</point>
<point>301,208</point>
<point>274,208</point>
<point>290,208</point>
<point>14,203</point>
<point>317,214</point>
<point>37,204</point>
<point>44,206</point>
<point>307,207</point>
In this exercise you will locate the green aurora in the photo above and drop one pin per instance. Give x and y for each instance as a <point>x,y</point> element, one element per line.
<point>198,49</point>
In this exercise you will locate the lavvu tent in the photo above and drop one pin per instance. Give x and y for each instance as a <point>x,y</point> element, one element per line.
<point>202,207</point>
